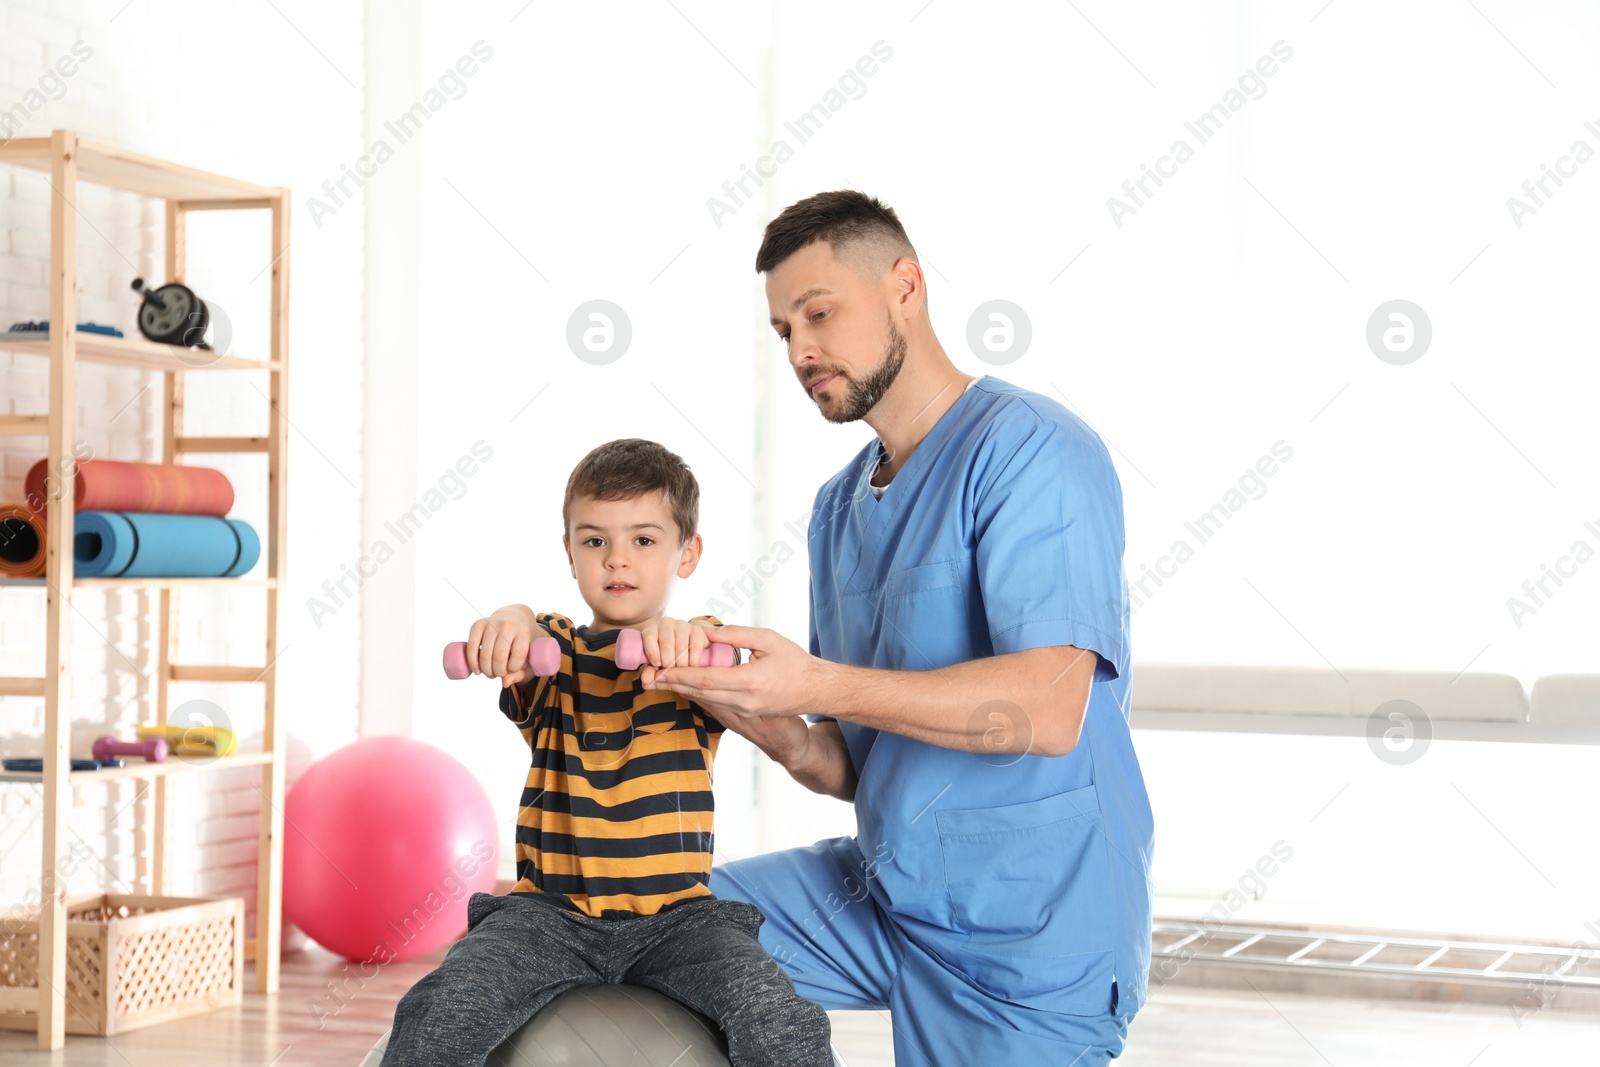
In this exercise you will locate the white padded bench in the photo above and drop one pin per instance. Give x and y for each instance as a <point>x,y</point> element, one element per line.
<point>1563,708</point>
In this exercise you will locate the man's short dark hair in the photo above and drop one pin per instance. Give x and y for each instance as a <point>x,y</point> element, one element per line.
<point>845,219</point>
<point>633,467</point>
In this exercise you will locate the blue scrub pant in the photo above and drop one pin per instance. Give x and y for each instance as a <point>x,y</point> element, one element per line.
<point>845,952</point>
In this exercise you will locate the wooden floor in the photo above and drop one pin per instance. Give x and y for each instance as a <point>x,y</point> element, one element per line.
<point>308,1023</point>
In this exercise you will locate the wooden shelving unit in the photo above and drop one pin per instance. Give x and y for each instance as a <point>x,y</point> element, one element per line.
<point>69,161</point>
<point>126,352</point>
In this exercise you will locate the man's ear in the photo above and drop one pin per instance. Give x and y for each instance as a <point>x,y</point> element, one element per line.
<point>567,545</point>
<point>909,286</point>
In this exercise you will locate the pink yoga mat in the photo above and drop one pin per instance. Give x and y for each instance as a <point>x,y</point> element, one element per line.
<point>111,485</point>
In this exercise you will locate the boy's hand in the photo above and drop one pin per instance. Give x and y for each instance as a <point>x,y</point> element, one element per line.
<point>498,645</point>
<point>673,642</point>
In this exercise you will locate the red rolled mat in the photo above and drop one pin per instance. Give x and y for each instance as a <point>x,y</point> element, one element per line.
<point>22,548</point>
<point>110,485</point>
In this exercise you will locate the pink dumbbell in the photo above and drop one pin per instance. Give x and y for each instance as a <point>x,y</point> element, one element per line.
<point>544,655</point>
<point>544,658</point>
<point>630,652</point>
<point>153,749</point>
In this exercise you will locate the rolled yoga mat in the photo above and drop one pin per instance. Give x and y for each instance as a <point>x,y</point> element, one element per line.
<point>119,544</point>
<point>111,485</point>
<point>22,548</point>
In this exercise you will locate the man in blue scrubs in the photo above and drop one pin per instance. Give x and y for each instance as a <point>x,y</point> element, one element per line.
<point>966,686</point>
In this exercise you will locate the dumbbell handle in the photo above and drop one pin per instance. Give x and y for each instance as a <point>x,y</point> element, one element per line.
<point>153,749</point>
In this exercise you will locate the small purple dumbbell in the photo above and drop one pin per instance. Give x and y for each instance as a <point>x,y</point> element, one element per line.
<point>153,749</point>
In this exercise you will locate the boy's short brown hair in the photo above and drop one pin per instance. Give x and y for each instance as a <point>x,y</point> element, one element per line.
<point>633,467</point>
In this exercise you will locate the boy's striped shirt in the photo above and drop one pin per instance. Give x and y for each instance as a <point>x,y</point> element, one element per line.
<point>616,811</point>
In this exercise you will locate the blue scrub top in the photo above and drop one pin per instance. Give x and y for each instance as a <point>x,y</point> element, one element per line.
<point>1028,875</point>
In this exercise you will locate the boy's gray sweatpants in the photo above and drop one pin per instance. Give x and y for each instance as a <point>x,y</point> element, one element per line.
<point>523,950</point>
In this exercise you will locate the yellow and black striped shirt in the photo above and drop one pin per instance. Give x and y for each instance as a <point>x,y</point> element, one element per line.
<point>616,812</point>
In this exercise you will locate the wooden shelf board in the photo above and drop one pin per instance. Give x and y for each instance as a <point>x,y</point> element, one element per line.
<point>137,768</point>
<point>149,583</point>
<point>103,164</point>
<point>137,352</point>
<point>24,425</point>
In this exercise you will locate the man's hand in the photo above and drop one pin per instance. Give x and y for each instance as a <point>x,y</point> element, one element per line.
<point>673,643</point>
<point>760,700</point>
<point>785,739</point>
<point>780,680</point>
<point>498,645</point>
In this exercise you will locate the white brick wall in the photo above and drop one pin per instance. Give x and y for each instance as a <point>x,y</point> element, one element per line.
<point>237,90</point>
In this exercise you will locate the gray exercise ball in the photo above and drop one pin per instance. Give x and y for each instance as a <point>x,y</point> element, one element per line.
<point>609,1026</point>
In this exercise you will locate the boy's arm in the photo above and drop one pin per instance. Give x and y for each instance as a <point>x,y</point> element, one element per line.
<point>498,644</point>
<point>713,724</point>
<point>519,698</point>
<point>517,613</point>
<point>516,701</point>
<point>712,620</point>
<point>821,762</point>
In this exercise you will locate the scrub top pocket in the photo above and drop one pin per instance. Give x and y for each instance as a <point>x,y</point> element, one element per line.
<point>915,605</point>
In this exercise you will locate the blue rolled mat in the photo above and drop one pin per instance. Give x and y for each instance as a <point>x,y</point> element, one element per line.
<point>142,544</point>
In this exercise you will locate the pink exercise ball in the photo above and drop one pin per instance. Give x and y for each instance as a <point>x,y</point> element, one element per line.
<point>384,841</point>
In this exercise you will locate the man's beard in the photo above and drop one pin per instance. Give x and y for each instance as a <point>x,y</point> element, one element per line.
<point>864,395</point>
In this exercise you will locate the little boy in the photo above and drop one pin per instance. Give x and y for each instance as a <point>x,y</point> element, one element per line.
<point>614,836</point>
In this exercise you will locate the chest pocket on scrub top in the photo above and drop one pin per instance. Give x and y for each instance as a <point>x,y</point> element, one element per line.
<point>923,611</point>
